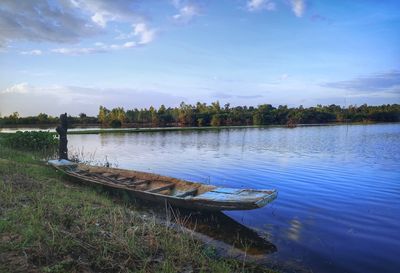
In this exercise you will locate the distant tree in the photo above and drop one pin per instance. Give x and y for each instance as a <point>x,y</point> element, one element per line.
<point>216,108</point>
<point>42,118</point>
<point>118,114</point>
<point>14,116</point>
<point>200,122</point>
<point>202,114</point>
<point>103,115</point>
<point>115,123</point>
<point>154,116</point>
<point>216,120</point>
<point>226,107</point>
<point>257,118</point>
<point>186,114</point>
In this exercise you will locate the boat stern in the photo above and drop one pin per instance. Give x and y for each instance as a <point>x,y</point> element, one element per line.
<point>235,199</point>
<point>268,198</point>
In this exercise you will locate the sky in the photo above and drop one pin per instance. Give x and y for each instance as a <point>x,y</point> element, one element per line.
<point>75,55</point>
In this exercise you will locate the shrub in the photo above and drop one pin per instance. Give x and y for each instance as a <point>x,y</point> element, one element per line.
<point>216,120</point>
<point>32,141</point>
<point>115,123</point>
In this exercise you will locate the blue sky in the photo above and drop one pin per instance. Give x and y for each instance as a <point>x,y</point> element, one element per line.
<point>74,55</point>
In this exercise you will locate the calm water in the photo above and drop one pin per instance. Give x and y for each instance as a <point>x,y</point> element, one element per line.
<point>338,208</point>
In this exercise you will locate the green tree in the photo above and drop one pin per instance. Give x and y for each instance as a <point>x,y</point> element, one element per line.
<point>42,118</point>
<point>186,114</point>
<point>103,115</point>
<point>154,116</point>
<point>216,120</point>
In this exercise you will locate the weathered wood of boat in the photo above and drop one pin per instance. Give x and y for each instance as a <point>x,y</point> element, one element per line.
<point>176,192</point>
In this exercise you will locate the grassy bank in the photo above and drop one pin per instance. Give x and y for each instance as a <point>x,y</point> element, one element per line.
<point>48,224</point>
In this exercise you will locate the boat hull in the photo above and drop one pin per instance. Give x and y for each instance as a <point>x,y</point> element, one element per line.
<point>167,190</point>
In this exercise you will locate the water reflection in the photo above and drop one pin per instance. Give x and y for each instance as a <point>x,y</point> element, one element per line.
<point>216,226</point>
<point>223,228</point>
<point>294,230</point>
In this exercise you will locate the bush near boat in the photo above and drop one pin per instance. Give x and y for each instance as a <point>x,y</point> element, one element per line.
<point>31,140</point>
<point>48,224</point>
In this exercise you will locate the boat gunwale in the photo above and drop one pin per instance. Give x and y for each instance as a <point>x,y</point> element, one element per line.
<point>270,195</point>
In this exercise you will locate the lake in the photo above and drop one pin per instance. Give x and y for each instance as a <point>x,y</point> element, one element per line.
<point>338,208</point>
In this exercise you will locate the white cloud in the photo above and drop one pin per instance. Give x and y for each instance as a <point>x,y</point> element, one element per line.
<point>34,52</point>
<point>62,21</point>
<point>31,100</point>
<point>20,88</point>
<point>99,48</point>
<point>255,5</point>
<point>298,7</point>
<point>41,20</point>
<point>141,31</point>
<point>144,33</point>
<point>186,13</point>
<point>284,77</point>
<point>71,21</point>
<point>129,45</point>
<point>101,18</point>
<point>104,11</point>
<point>124,36</point>
<point>379,82</point>
<point>74,51</point>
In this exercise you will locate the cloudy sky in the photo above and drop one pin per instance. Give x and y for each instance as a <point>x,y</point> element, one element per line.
<point>74,55</point>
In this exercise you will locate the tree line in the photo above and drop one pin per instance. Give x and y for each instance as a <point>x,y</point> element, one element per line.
<point>44,119</point>
<point>214,114</point>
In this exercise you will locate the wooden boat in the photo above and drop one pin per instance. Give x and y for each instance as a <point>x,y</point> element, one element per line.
<point>176,192</point>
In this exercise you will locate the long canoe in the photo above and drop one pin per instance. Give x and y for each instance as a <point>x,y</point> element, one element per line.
<point>158,188</point>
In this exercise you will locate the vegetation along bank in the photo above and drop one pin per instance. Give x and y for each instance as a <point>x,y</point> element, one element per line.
<point>202,114</point>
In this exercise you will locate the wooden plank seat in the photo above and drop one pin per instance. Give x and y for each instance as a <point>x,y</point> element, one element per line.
<point>128,182</point>
<point>111,175</point>
<point>77,172</point>
<point>122,178</point>
<point>91,175</point>
<point>104,178</point>
<point>162,188</point>
<point>140,182</point>
<point>187,193</point>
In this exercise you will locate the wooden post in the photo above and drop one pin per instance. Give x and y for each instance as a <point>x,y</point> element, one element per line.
<point>62,132</point>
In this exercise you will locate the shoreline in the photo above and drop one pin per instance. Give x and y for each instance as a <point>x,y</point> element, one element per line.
<point>81,131</point>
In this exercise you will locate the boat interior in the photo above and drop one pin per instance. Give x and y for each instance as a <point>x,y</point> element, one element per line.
<point>139,181</point>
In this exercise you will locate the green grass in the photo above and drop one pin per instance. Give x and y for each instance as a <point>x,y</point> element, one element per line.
<point>48,224</point>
